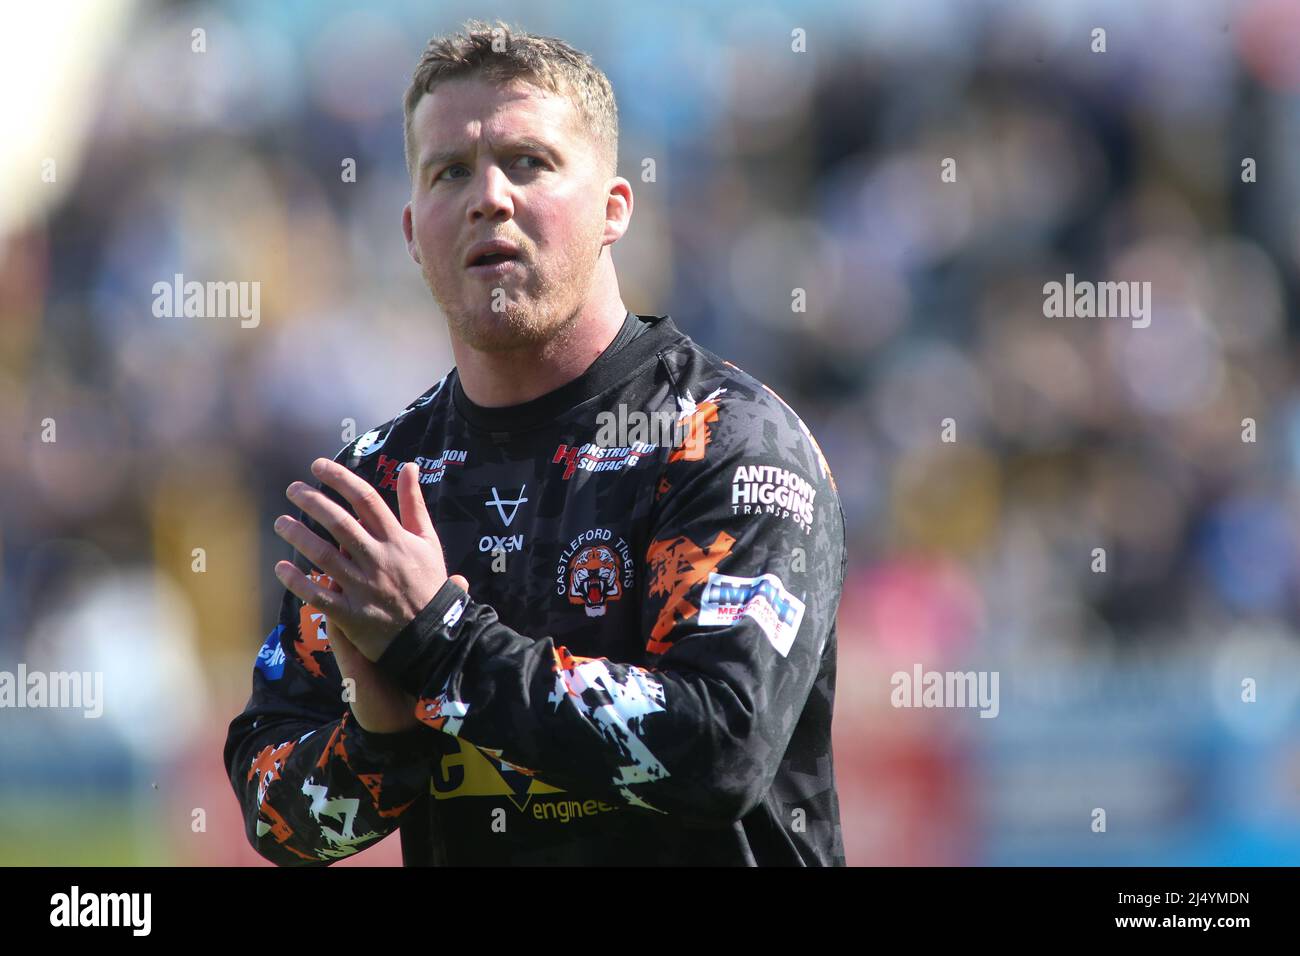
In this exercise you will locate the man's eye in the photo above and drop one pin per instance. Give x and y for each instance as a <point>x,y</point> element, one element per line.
<point>446,173</point>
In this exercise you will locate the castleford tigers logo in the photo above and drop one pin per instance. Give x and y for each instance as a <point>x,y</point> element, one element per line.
<point>677,566</point>
<point>593,579</point>
<point>594,570</point>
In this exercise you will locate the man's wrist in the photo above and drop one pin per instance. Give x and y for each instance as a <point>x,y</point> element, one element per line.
<point>414,650</point>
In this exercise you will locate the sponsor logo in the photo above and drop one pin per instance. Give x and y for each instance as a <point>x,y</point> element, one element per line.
<point>496,542</point>
<point>471,771</point>
<point>465,770</point>
<point>386,471</point>
<point>727,599</point>
<point>270,659</point>
<point>677,566</point>
<point>453,613</point>
<point>595,569</point>
<point>565,810</point>
<point>626,437</point>
<point>432,470</point>
<point>500,504</point>
<point>767,489</point>
<point>507,508</point>
<point>593,457</point>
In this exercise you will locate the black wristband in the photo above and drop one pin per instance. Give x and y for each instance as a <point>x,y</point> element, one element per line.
<point>415,651</point>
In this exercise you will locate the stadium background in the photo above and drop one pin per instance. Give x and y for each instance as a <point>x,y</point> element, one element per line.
<point>774,170</point>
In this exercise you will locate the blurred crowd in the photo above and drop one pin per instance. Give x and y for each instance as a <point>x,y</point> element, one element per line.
<point>988,456</point>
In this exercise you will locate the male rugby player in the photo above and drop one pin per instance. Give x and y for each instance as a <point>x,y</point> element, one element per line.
<point>634,661</point>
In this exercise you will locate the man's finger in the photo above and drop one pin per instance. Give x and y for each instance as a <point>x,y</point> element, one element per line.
<point>410,502</point>
<point>315,549</point>
<point>360,494</point>
<point>334,518</point>
<point>308,591</point>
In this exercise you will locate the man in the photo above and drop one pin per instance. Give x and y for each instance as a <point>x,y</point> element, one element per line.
<point>635,661</point>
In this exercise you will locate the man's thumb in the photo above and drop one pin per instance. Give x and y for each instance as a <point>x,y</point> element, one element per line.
<point>459,581</point>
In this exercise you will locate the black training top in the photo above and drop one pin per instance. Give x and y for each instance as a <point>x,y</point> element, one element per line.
<point>643,671</point>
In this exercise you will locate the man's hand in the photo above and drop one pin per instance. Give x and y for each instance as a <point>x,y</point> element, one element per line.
<point>378,705</point>
<point>387,570</point>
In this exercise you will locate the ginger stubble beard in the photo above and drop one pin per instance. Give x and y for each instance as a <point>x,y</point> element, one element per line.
<point>549,307</point>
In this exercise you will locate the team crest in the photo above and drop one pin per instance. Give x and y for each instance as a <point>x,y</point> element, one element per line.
<point>593,579</point>
<point>595,570</point>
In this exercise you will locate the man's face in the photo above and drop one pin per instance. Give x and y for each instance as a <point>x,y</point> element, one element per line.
<point>511,163</point>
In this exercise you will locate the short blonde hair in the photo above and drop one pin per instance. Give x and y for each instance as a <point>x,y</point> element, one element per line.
<point>498,53</point>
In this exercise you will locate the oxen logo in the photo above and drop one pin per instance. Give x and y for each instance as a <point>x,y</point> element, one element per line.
<point>593,579</point>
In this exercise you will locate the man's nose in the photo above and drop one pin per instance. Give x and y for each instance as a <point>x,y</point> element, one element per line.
<point>491,195</point>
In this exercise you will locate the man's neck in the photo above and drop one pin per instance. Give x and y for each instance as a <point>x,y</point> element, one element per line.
<point>500,379</point>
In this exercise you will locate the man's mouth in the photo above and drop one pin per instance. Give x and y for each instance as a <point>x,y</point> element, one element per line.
<point>493,265</point>
<point>492,257</point>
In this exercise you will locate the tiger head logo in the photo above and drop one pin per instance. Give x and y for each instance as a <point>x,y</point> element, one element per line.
<point>593,579</point>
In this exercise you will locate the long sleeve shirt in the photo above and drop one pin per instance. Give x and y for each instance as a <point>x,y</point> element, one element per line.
<point>643,670</point>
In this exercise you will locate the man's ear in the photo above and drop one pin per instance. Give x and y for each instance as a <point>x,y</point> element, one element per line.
<point>408,232</point>
<point>618,209</point>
